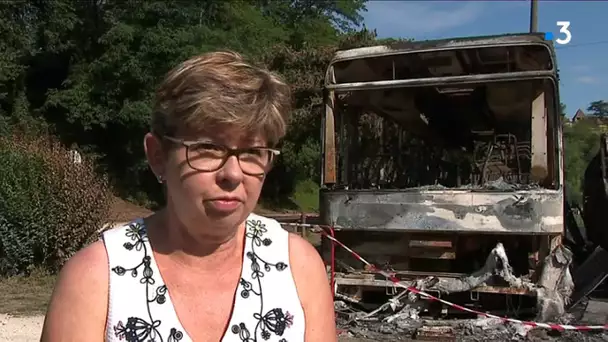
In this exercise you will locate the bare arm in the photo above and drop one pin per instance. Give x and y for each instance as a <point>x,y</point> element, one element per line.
<point>313,289</point>
<point>78,307</point>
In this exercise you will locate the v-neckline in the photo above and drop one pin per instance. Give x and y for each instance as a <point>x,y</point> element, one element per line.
<point>173,312</point>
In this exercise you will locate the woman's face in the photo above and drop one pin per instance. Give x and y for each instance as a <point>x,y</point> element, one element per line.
<point>217,200</point>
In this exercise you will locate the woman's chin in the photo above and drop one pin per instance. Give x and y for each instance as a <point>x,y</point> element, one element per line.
<point>220,208</point>
<point>225,218</point>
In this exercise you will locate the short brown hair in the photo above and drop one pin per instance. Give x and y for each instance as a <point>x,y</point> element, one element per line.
<point>222,89</point>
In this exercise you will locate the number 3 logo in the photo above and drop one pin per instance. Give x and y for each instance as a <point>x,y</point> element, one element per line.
<point>564,28</point>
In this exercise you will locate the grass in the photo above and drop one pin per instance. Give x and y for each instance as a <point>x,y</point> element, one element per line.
<point>26,295</point>
<point>306,196</point>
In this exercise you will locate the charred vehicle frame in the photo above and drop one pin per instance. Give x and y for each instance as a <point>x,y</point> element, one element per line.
<point>442,162</point>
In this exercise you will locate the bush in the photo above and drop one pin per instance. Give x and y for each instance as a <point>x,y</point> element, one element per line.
<point>49,206</point>
<point>306,196</point>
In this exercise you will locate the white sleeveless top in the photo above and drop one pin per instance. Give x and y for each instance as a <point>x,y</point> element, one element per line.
<point>266,306</point>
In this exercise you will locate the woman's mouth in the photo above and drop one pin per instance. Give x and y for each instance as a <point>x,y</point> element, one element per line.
<point>224,205</point>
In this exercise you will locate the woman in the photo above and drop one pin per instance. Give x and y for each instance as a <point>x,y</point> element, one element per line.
<point>205,268</point>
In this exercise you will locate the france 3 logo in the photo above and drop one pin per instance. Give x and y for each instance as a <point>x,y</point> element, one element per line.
<point>564,37</point>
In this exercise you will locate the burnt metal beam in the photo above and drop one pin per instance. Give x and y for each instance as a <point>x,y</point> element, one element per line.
<point>588,276</point>
<point>441,81</point>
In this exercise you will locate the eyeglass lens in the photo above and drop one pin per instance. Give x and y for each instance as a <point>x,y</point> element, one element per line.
<point>209,157</point>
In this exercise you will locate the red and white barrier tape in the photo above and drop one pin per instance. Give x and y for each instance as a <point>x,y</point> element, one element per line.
<point>427,296</point>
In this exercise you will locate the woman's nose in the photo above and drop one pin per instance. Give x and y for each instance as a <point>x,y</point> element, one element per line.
<point>231,171</point>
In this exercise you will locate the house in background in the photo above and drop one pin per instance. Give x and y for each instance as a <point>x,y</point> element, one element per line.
<point>601,123</point>
<point>578,116</point>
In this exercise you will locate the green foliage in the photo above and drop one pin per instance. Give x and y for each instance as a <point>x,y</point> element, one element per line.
<point>88,69</point>
<point>581,143</point>
<point>49,207</point>
<point>306,195</point>
<point>598,108</point>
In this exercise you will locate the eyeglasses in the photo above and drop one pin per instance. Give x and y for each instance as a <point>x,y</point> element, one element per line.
<point>206,157</point>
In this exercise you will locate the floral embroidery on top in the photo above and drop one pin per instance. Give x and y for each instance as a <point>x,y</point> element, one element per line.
<point>138,329</point>
<point>265,322</point>
<point>273,321</point>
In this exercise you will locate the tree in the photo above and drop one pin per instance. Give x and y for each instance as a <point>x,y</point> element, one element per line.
<point>581,143</point>
<point>598,108</point>
<point>562,110</point>
<point>88,69</point>
<point>305,70</point>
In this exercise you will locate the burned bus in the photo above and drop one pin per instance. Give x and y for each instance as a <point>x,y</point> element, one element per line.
<point>442,164</point>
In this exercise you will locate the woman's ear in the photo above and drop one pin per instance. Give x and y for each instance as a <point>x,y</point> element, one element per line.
<point>155,154</point>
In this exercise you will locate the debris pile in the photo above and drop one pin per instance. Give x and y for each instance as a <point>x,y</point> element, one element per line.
<point>401,319</point>
<point>471,330</point>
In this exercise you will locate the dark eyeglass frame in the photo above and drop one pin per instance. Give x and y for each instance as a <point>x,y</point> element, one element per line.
<point>228,152</point>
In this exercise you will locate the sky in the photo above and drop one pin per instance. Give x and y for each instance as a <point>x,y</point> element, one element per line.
<point>582,62</point>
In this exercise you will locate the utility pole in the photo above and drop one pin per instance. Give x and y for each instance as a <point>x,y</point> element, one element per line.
<point>533,16</point>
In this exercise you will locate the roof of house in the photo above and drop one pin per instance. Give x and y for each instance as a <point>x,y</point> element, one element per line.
<point>579,114</point>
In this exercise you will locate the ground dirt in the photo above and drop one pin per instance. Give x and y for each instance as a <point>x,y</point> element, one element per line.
<point>20,328</point>
<point>23,301</point>
<point>124,211</point>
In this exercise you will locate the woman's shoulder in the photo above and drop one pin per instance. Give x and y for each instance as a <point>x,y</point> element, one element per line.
<point>93,260</point>
<point>88,268</point>
<point>88,264</point>
<point>135,225</point>
<point>80,294</point>
<point>121,232</point>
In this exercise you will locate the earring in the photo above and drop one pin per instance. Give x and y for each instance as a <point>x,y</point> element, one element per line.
<point>160,179</point>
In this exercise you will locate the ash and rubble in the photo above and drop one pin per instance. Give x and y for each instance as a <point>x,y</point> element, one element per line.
<point>401,319</point>
<point>399,327</point>
<point>499,184</point>
<point>473,330</point>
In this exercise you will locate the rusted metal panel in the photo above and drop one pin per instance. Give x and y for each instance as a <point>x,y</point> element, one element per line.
<point>431,242</point>
<point>329,138</point>
<point>529,212</point>
<point>430,253</point>
<point>438,333</point>
<point>539,168</point>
